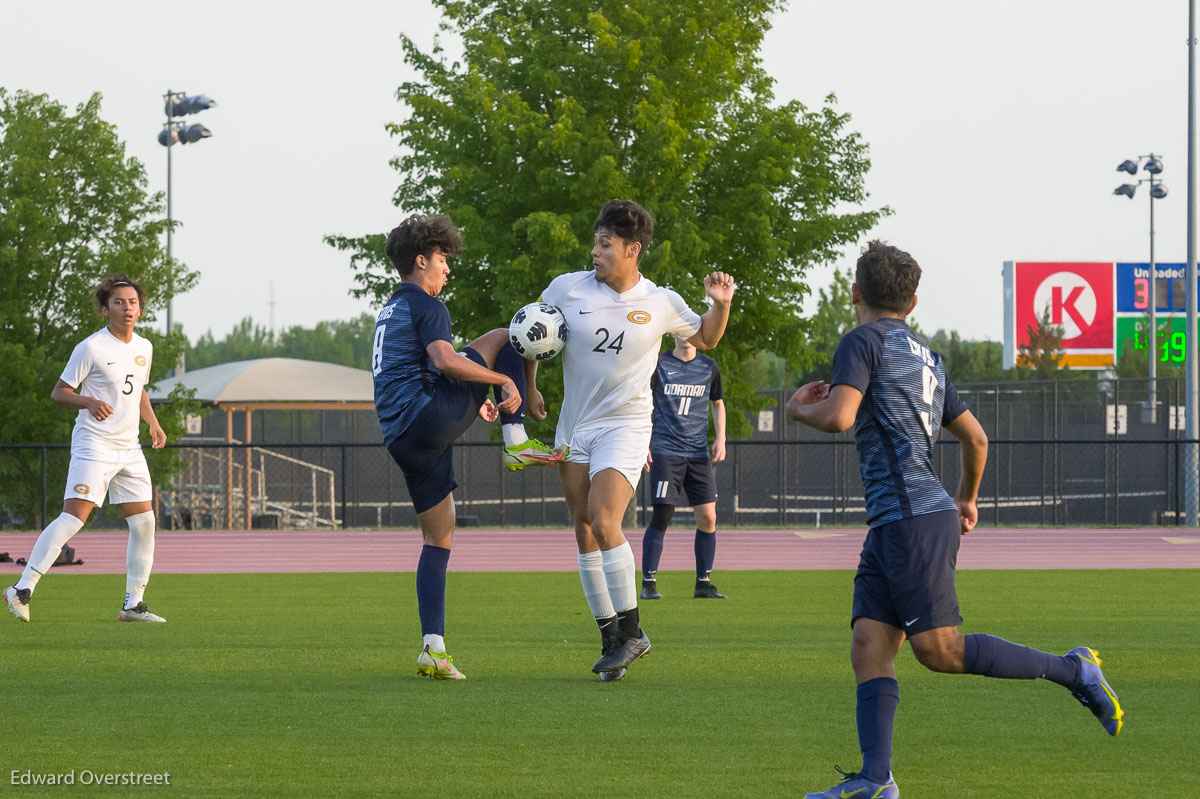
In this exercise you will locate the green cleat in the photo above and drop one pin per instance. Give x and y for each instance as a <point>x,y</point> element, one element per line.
<point>438,665</point>
<point>532,453</point>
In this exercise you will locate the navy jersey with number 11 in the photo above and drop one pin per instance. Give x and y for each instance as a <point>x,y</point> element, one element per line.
<point>682,391</point>
<point>906,401</point>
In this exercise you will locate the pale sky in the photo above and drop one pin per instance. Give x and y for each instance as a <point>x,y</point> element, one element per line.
<point>995,131</point>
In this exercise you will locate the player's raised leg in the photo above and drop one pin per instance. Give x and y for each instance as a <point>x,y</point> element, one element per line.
<point>45,552</point>
<point>520,450</point>
<point>437,531</point>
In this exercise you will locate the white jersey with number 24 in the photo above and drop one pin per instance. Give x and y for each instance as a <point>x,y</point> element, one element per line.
<point>612,348</point>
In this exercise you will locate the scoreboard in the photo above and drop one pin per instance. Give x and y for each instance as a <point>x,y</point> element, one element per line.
<point>1103,308</point>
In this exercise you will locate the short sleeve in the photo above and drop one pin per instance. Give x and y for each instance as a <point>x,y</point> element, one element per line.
<point>79,365</point>
<point>953,406</point>
<point>433,323</point>
<point>856,358</point>
<point>553,295</point>
<point>686,322</point>
<point>716,391</point>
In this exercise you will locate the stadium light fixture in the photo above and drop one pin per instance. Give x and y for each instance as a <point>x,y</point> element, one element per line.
<point>1153,165</point>
<point>179,104</point>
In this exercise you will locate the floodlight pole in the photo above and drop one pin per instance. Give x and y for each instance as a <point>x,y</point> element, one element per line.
<point>1191,469</point>
<point>1153,346</point>
<point>170,281</point>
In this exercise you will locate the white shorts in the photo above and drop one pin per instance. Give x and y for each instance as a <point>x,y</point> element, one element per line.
<point>613,446</point>
<point>121,474</point>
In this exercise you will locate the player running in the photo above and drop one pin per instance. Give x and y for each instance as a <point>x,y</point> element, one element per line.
<point>684,384</point>
<point>893,390</point>
<point>616,318</point>
<point>110,369</point>
<point>427,395</point>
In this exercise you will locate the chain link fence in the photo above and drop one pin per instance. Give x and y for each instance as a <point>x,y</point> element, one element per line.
<point>1077,453</point>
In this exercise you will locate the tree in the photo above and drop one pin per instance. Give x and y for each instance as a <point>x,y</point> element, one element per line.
<point>560,105</point>
<point>347,343</point>
<point>73,209</point>
<point>970,361</point>
<point>1041,357</point>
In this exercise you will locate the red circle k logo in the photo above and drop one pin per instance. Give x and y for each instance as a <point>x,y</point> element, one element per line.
<point>1070,299</point>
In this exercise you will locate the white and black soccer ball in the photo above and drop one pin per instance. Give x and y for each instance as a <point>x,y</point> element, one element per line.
<point>538,331</point>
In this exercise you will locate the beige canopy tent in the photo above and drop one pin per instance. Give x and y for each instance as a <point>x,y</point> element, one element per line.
<point>271,384</point>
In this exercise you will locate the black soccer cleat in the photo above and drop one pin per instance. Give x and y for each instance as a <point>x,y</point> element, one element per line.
<point>627,651</point>
<point>650,590</point>
<point>706,590</point>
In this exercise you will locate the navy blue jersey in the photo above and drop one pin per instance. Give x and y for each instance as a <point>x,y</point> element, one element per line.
<point>682,390</point>
<point>404,375</point>
<point>906,401</point>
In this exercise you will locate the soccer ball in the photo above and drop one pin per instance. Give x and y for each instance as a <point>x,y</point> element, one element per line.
<point>538,331</point>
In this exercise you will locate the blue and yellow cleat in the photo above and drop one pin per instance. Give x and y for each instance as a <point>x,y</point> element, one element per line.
<point>1094,692</point>
<point>854,786</point>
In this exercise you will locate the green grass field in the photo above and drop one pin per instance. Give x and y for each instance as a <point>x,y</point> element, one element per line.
<point>303,685</point>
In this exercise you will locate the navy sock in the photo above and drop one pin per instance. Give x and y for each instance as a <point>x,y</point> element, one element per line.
<point>431,589</point>
<point>706,553</point>
<point>510,364</point>
<point>875,713</point>
<point>652,544</point>
<point>995,657</point>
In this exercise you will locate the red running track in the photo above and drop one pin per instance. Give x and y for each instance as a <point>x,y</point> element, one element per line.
<point>554,550</point>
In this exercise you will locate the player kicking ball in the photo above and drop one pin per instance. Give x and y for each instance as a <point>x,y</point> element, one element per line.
<point>684,384</point>
<point>110,369</point>
<point>617,319</point>
<point>893,390</point>
<point>427,395</point>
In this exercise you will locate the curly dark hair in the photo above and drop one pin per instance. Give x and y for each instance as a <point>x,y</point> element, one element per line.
<point>116,281</point>
<point>628,220</point>
<point>421,235</point>
<point>887,277</point>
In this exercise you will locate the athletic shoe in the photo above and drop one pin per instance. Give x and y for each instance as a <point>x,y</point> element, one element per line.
<point>438,665</point>
<point>706,590</point>
<point>17,601</point>
<point>612,676</point>
<point>532,453</point>
<point>858,787</point>
<point>650,590</point>
<point>1094,692</point>
<point>627,651</point>
<point>138,612</point>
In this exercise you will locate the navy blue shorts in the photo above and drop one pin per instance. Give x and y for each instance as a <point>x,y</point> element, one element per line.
<point>424,451</point>
<point>906,573</point>
<point>671,474</point>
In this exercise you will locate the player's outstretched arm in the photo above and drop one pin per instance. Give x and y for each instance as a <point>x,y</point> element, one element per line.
<point>719,287</point>
<point>828,409</point>
<point>966,428</point>
<point>451,363</point>
<point>535,406</point>
<point>158,437</point>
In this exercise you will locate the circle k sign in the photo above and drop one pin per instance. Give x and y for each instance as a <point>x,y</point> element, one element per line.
<point>1078,297</point>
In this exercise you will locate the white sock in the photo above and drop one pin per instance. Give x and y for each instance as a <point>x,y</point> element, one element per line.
<point>139,556</point>
<point>514,434</point>
<point>595,587</point>
<point>436,643</point>
<point>620,576</point>
<point>46,549</point>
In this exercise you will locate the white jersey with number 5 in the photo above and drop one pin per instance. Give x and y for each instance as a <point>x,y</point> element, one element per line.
<point>104,367</point>
<point>612,347</point>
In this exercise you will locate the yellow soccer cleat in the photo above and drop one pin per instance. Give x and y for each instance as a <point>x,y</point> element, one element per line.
<point>532,453</point>
<point>438,665</point>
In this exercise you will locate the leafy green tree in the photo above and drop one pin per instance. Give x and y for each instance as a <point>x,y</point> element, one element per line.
<point>970,361</point>
<point>73,209</point>
<point>346,342</point>
<point>559,105</point>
